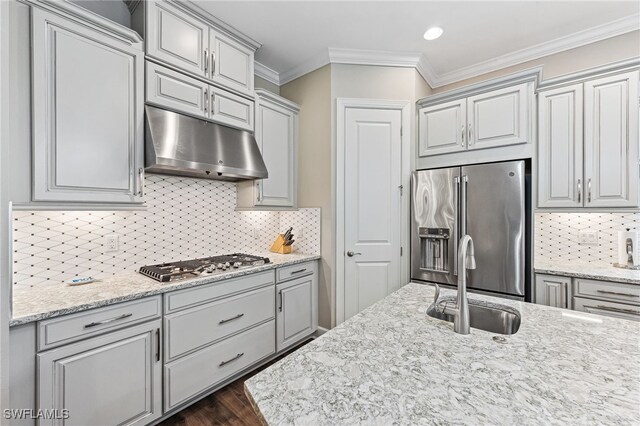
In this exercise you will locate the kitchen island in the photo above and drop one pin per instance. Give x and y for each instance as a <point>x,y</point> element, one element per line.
<point>394,364</point>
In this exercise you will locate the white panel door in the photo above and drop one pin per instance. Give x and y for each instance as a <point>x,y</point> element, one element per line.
<point>611,141</point>
<point>560,147</point>
<point>176,91</point>
<point>176,37</point>
<point>231,63</point>
<point>498,118</point>
<point>87,114</point>
<point>372,206</point>
<point>275,134</point>
<point>113,379</point>
<point>230,109</point>
<point>442,128</point>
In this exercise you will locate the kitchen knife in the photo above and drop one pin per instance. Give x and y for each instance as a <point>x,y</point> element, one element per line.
<point>287,234</point>
<point>288,243</point>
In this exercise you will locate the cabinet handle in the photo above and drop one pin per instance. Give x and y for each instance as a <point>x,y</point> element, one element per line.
<point>232,359</point>
<point>107,321</point>
<point>462,135</point>
<point>231,319</point>
<point>616,293</point>
<point>589,189</point>
<point>206,61</point>
<point>259,192</point>
<point>579,191</point>
<point>157,344</point>
<point>611,309</point>
<point>469,138</point>
<point>141,181</point>
<point>213,63</point>
<point>206,101</point>
<point>280,305</point>
<point>299,271</point>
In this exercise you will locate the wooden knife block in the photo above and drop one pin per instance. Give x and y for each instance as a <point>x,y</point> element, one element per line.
<point>279,247</point>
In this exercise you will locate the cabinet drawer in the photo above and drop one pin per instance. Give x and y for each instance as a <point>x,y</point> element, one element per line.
<point>196,327</point>
<point>70,328</point>
<point>295,271</point>
<point>607,290</point>
<point>195,373</point>
<point>609,309</point>
<point>181,299</point>
<point>175,91</point>
<point>230,109</point>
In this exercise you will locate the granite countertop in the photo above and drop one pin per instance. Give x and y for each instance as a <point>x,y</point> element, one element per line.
<point>33,303</point>
<point>393,364</point>
<point>593,271</point>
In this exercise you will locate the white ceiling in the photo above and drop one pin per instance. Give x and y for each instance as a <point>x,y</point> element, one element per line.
<point>295,33</point>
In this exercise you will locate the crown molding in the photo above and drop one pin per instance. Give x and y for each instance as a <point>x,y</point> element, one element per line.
<point>311,64</point>
<point>572,41</point>
<point>266,73</point>
<point>420,62</point>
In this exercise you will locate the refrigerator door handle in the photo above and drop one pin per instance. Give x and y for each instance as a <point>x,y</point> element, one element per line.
<point>456,223</point>
<point>463,206</point>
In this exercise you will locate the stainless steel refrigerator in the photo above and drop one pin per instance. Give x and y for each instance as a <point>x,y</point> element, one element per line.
<point>490,202</point>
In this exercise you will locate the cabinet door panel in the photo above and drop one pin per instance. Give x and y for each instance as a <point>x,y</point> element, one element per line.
<point>176,37</point>
<point>175,91</point>
<point>297,311</point>
<point>112,379</point>
<point>87,113</point>
<point>231,63</point>
<point>560,144</point>
<point>552,291</point>
<point>231,109</point>
<point>442,128</point>
<point>611,141</point>
<point>275,133</point>
<point>499,117</point>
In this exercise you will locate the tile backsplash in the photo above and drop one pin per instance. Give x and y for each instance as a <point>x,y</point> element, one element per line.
<point>185,218</point>
<point>556,235</point>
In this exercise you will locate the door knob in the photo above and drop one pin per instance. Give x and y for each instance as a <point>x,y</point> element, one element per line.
<point>351,254</point>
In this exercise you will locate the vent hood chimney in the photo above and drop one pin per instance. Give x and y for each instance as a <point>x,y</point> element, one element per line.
<point>185,146</point>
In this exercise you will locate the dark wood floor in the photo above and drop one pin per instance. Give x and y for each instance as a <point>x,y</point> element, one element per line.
<point>228,406</point>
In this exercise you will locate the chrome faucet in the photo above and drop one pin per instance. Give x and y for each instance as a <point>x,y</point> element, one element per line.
<point>460,312</point>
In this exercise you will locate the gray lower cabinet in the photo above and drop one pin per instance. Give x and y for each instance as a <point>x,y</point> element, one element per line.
<point>552,290</point>
<point>111,379</point>
<point>297,315</point>
<point>606,308</point>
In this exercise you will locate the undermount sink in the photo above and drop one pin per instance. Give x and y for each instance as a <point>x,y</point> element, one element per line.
<point>485,316</point>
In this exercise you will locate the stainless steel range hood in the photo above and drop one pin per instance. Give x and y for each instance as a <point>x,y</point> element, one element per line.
<point>181,145</point>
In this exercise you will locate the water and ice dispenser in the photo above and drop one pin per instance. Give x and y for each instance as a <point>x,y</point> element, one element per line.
<point>434,248</point>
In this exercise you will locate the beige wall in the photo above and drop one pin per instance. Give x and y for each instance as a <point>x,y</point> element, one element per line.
<point>313,93</point>
<point>581,58</point>
<point>261,83</point>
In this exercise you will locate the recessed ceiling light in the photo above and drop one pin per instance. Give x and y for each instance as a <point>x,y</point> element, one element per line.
<point>433,33</point>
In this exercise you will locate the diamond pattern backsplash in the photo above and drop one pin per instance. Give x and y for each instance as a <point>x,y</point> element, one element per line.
<point>556,235</point>
<point>185,218</point>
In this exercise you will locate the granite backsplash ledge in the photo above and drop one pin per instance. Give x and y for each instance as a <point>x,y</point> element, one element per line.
<point>185,218</point>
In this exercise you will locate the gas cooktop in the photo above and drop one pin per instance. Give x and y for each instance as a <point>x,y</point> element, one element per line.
<point>176,271</point>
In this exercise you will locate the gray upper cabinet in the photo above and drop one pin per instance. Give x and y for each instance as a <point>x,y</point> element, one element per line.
<point>112,379</point>
<point>184,39</point>
<point>588,143</point>
<point>177,38</point>
<point>489,119</point>
<point>442,128</point>
<point>276,134</point>
<point>87,113</point>
<point>611,141</point>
